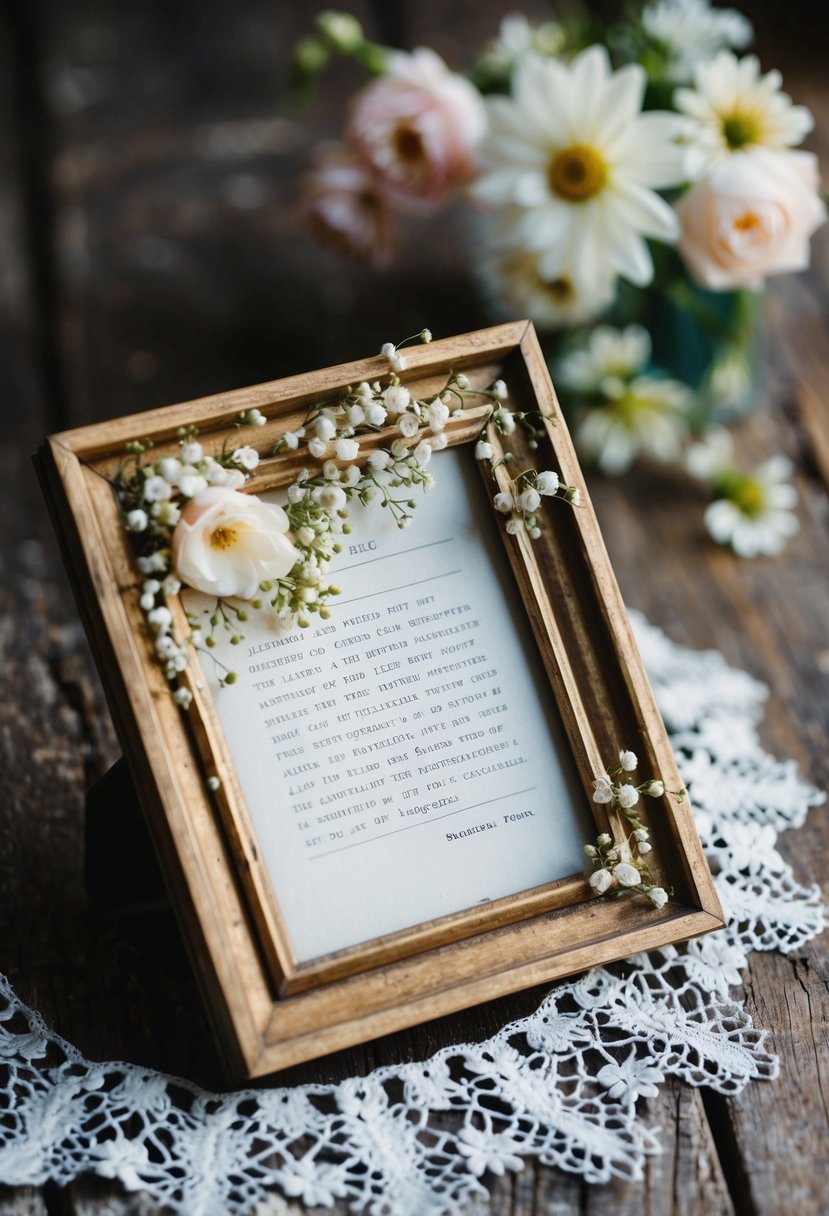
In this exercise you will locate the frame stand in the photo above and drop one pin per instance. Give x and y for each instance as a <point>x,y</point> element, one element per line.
<point>122,871</point>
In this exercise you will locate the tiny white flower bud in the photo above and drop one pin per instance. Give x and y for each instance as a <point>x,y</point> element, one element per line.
<point>643,847</point>
<point>137,520</point>
<point>656,789</point>
<point>604,840</point>
<point>462,382</point>
<point>658,896</point>
<point>601,881</point>
<point>426,335</point>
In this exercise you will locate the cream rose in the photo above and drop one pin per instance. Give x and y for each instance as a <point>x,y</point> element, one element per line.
<point>227,543</point>
<point>752,216</point>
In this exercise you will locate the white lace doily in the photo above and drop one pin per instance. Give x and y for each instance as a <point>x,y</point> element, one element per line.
<point>560,1085</point>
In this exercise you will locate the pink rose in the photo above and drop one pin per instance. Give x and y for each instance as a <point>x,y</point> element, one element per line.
<point>343,211</point>
<point>752,216</point>
<point>416,129</point>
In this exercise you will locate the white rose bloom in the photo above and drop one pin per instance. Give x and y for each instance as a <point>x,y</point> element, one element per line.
<point>601,881</point>
<point>627,875</point>
<point>247,457</point>
<point>227,543</point>
<point>191,452</point>
<point>409,425</point>
<point>347,449</point>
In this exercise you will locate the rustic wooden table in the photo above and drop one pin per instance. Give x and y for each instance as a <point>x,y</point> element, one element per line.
<point>149,254</point>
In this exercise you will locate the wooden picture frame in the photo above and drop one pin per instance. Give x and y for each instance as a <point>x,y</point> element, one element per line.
<point>269,1010</point>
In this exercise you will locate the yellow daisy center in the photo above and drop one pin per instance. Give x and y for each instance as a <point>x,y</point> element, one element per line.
<point>223,537</point>
<point>740,129</point>
<point>577,173</point>
<point>750,497</point>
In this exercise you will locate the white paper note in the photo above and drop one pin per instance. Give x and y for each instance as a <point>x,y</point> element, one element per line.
<point>404,759</point>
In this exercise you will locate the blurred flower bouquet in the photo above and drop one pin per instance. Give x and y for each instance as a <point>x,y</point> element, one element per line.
<point>639,175</point>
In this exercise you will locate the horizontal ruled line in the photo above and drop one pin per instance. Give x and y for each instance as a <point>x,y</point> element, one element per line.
<point>391,590</point>
<point>389,556</point>
<point>422,823</point>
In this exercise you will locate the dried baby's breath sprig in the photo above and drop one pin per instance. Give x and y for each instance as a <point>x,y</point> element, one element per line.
<point>621,867</point>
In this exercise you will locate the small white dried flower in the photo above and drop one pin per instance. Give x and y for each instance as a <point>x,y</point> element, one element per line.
<point>602,793</point>
<point>192,484</point>
<point>168,468</point>
<point>137,520</point>
<point>514,526</point>
<point>191,451</point>
<point>325,427</point>
<point>499,390</point>
<point>504,420</point>
<point>462,382</point>
<point>439,442</point>
<point>160,619</point>
<point>426,335</point>
<point>644,847</point>
<point>656,789</point>
<point>641,834</point>
<point>396,399</point>
<point>409,425</point>
<point>628,761</point>
<point>156,489</point>
<point>483,450</point>
<point>183,697</point>
<point>529,500</point>
<point>504,503</point>
<point>388,350</point>
<point>658,896</point>
<point>602,880</point>
<point>423,453</point>
<point>355,414</point>
<point>291,440</point>
<point>375,414</point>
<point>438,416</point>
<point>347,449</point>
<point>331,470</point>
<point>246,457</point>
<point>627,875</point>
<point>604,840</point>
<point>378,459</point>
<point>628,796</point>
<point>398,363</point>
<point>547,483</point>
<point>317,447</point>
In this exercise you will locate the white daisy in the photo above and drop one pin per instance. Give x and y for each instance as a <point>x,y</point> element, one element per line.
<point>732,108</point>
<point>754,513</point>
<point>647,418</point>
<point>512,278</point>
<point>610,355</point>
<point>572,152</point>
<point>691,31</point>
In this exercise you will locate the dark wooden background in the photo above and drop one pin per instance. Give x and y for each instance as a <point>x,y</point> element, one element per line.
<point>149,253</point>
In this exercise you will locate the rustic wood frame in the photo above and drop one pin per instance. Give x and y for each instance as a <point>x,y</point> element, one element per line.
<point>269,1012</point>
